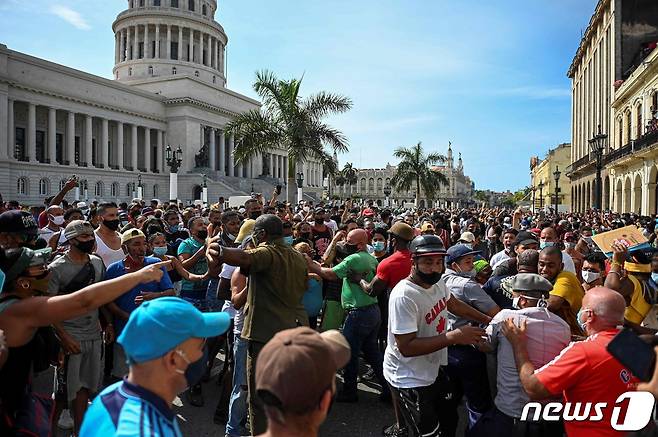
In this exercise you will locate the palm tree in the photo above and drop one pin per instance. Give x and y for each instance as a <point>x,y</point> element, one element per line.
<point>415,168</point>
<point>349,174</point>
<point>288,121</point>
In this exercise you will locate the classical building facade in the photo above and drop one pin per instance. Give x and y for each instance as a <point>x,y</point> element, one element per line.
<point>614,92</point>
<point>542,178</point>
<point>168,89</point>
<point>371,183</point>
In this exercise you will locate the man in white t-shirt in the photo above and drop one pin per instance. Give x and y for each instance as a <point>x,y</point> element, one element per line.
<point>418,337</point>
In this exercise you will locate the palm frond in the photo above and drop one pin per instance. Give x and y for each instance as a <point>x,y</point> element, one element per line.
<point>323,103</point>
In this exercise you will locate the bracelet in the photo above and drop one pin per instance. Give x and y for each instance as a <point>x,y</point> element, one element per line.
<point>615,263</point>
<point>618,273</point>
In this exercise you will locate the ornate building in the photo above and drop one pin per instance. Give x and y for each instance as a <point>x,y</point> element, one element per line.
<point>169,89</point>
<point>542,178</point>
<point>372,182</point>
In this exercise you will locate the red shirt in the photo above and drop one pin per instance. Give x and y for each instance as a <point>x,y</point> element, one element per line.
<point>395,268</point>
<point>585,372</point>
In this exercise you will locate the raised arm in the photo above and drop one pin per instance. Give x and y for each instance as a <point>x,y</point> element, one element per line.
<point>68,186</point>
<point>216,255</point>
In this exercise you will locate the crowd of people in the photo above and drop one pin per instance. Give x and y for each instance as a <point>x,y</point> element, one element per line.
<point>482,307</point>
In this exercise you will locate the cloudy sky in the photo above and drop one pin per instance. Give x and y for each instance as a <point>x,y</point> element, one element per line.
<point>488,76</point>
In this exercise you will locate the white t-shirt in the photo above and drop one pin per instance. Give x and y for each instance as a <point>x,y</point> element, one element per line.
<point>412,308</point>
<point>569,266</point>
<point>331,224</point>
<point>498,258</point>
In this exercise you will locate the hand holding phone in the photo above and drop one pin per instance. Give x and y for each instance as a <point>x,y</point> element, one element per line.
<point>634,353</point>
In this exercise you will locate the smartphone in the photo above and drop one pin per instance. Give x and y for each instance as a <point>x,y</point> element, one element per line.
<point>278,189</point>
<point>635,354</point>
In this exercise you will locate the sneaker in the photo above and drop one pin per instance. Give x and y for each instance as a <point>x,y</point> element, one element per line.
<point>65,420</point>
<point>394,431</point>
<point>368,375</point>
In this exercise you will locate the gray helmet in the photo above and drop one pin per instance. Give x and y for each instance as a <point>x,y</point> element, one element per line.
<point>424,245</point>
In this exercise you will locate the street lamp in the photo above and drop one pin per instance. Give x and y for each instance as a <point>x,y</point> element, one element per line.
<point>541,195</point>
<point>556,175</point>
<point>204,190</point>
<point>300,184</point>
<point>140,189</point>
<point>533,198</point>
<point>597,144</point>
<point>387,192</point>
<point>174,160</point>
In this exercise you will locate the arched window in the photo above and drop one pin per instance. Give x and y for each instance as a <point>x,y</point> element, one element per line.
<point>362,189</point>
<point>114,189</point>
<point>204,10</point>
<point>150,70</point>
<point>371,185</point>
<point>629,124</point>
<point>44,186</point>
<point>155,191</point>
<point>380,185</point>
<point>98,191</point>
<point>639,120</point>
<point>61,184</point>
<point>21,186</point>
<point>173,70</point>
<point>129,189</point>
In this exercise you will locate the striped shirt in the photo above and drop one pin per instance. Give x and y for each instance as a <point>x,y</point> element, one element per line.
<point>125,409</point>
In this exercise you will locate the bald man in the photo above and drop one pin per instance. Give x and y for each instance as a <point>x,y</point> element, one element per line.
<point>363,316</point>
<point>584,371</point>
<point>55,216</point>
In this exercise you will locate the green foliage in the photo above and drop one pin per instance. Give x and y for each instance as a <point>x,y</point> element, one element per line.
<point>414,170</point>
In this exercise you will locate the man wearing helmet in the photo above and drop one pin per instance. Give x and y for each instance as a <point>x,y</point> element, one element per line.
<point>418,337</point>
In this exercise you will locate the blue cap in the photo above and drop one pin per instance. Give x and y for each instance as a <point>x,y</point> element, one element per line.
<point>159,325</point>
<point>459,251</point>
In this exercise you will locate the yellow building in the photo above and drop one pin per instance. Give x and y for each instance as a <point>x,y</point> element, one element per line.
<point>542,178</point>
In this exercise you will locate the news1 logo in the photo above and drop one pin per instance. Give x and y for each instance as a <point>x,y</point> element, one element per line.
<point>630,412</point>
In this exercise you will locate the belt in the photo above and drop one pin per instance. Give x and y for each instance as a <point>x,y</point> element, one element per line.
<point>349,310</point>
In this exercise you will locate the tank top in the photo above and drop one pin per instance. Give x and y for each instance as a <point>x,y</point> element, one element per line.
<point>107,254</point>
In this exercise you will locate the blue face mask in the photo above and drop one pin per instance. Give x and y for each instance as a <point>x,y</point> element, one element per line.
<point>173,228</point>
<point>545,244</point>
<point>288,240</point>
<point>379,246</point>
<point>654,277</point>
<point>160,251</point>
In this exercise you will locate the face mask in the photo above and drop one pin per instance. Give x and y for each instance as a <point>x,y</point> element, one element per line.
<point>351,248</point>
<point>469,274</point>
<point>85,246</point>
<point>545,244</point>
<point>58,220</point>
<point>583,325</point>
<point>288,240</point>
<point>254,215</point>
<point>194,370</point>
<point>654,277</point>
<point>515,303</point>
<point>590,277</point>
<point>173,228</point>
<point>379,246</point>
<point>112,225</point>
<point>305,235</point>
<point>570,245</point>
<point>202,234</point>
<point>230,236</point>
<point>160,251</point>
<point>124,223</point>
<point>429,278</point>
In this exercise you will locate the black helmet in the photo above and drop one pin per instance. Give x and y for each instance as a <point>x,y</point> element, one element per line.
<point>427,245</point>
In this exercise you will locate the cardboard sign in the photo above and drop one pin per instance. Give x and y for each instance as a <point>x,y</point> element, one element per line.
<point>630,236</point>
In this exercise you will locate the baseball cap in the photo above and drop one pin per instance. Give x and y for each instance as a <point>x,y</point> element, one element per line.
<point>480,265</point>
<point>427,226</point>
<point>459,251</point>
<point>16,261</point>
<point>531,282</point>
<point>467,237</point>
<point>297,365</point>
<point>524,238</point>
<point>159,325</point>
<point>77,228</point>
<point>16,221</point>
<point>402,230</point>
<point>148,211</point>
<point>130,234</point>
<point>368,212</point>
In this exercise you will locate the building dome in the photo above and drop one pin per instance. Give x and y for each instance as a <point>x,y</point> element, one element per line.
<point>162,38</point>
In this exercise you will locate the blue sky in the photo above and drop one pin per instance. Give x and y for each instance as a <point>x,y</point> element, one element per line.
<point>488,76</point>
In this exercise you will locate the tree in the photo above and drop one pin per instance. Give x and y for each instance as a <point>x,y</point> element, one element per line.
<point>348,176</point>
<point>288,121</point>
<point>415,167</point>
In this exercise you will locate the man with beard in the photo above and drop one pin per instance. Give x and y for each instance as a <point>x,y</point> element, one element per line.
<point>108,240</point>
<point>321,233</point>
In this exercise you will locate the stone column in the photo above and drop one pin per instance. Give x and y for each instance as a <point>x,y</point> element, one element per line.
<point>105,139</point>
<point>136,43</point>
<point>128,44</point>
<point>271,166</point>
<point>248,166</point>
<point>52,135</point>
<point>222,153</point>
<point>120,145</point>
<point>11,129</point>
<point>231,158</point>
<point>201,48</point>
<point>159,153</point>
<point>133,147</point>
<point>157,41</point>
<point>32,132</point>
<point>70,138</point>
<point>212,152</point>
<point>147,45</point>
<point>147,149</point>
<point>122,43</point>
<point>191,57</point>
<point>88,140</point>
<point>180,43</point>
<point>168,41</point>
<point>117,46</point>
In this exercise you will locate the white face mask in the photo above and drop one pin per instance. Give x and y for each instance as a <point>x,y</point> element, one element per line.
<point>590,277</point>
<point>58,220</point>
<point>515,303</point>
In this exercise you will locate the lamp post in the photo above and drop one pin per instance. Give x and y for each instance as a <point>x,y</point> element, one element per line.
<point>541,195</point>
<point>204,190</point>
<point>300,184</point>
<point>174,159</point>
<point>533,198</point>
<point>140,189</point>
<point>387,192</point>
<point>556,175</point>
<point>597,144</point>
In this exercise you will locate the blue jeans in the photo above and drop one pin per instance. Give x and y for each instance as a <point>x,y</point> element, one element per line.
<point>237,407</point>
<point>360,330</point>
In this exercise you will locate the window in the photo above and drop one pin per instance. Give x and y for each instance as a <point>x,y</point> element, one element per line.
<point>21,186</point>
<point>204,10</point>
<point>61,184</point>
<point>141,3</point>
<point>156,2</point>
<point>129,190</point>
<point>190,5</point>
<point>155,191</point>
<point>44,186</point>
<point>114,189</point>
<point>639,121</point>
<point>174,50</point>
<point>140,50</point>
<point>59,148</point>
<point>19,149</point>
<point>98,190</point>
<point>629,121</point>
<point>77,150</point>
<point>41,146</point>
<point>214,79</point>
<point>173,70</point>
<point>174,3</point>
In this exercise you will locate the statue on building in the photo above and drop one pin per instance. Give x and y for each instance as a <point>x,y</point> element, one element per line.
<point>202,159</point>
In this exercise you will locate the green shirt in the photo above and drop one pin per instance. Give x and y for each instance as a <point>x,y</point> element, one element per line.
<point>277,283</point>
<point>352,296</point>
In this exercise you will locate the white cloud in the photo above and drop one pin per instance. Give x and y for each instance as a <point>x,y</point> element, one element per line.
<point>70,16</point>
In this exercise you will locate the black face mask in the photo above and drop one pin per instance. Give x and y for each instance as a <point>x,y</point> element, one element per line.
<point>351,248</point>
<point>428,278</point>
<point>85,246</point>
<point>305,235</point>
<point>202,234</point>
<point>254,215</point>
<point>112,225</point>
<point>319,221</point>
